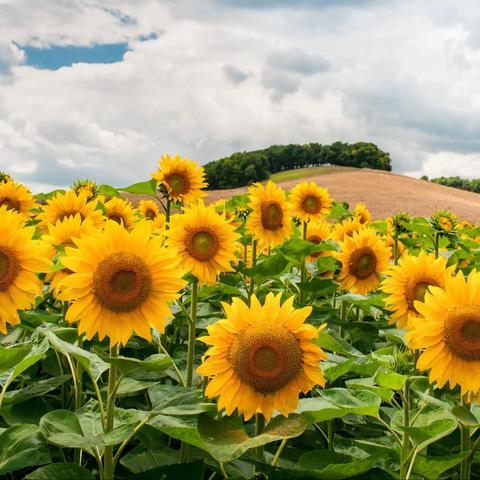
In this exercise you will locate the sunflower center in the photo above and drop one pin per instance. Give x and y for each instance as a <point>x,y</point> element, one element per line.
<point>446,223</point>
<point>122,282</point>
<point>363,263</point>
<point>116,218</point>
<point>178,183</point>
<point>417,291</point>
<point>272,215</point>
<point>462,332</point>
<point>311,204</point>
<point>266,357</point>
<point>150,213</point>
<point>11,204</point>
<point>202,245</point>
<point>8,268</point>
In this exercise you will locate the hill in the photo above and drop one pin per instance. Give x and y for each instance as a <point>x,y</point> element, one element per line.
<point>383,193</point>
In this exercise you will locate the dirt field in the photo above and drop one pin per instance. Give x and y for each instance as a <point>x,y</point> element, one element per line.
<point>386,193</point>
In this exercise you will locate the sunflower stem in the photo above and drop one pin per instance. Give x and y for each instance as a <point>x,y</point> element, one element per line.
<point>108,465</point>
<point>279,452</point>
<point>259,427</point>
<point>303,272</point>
<point>254,262</point>
<point>435,244</point>
<point>395,250</point>
<point>406,423</point>
<point>167,212</point>
<point>465,446</point>
<point>184,450</point>
<point>330,434</point>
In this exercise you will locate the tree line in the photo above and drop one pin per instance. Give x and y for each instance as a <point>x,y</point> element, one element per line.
<point>472,185</point>
<point>244,168</point>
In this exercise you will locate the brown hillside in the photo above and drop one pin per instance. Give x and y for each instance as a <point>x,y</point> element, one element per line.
<point>386,193</point>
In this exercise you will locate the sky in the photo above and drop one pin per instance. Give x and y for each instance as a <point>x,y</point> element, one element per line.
<point>102,89</point>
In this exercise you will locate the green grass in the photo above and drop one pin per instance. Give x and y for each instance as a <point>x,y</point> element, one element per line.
<point>307,172</point>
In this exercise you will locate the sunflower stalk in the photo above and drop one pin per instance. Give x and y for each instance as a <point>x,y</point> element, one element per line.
<point>108,462</point>
<point>303,271</point>
<point>465,446</point>
<point>404,451</point>
<point>259,427</point>
<point>254,262</point>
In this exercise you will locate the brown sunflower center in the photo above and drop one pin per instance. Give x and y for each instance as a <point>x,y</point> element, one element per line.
<point>116,218</point>
<point>462,332</point>
<point>8,268</point>
<point>122,282</point>
<point>202,245</point>
<point>272,215</point>
<point>311,204</point>
<point>417,291</point>
<point>69,213</point>
<point>11,204</point>
<point>178,183</point>
<point>266,357</point>
<point>363,263</point>
<point>150,213</point>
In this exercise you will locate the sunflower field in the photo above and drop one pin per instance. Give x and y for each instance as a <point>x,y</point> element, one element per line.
<point>273,335</point>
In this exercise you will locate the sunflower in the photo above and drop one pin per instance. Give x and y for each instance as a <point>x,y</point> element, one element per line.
<point>17,197</point>
<point>62,235</point>
<point>362,214</point>
<point>89,187</point>
<point>261,357</point>
<point>5,177</point>
<point>449,333</point>
<point>68,204</point>
<point>120,211</point>
<point>364,258</point>
<point>20,259</point>
<point>121,282</point>
<point>204,241</point>
<point>309,201</point>
<point>148,208</point>
<point>409,281</point>
<point>270,219</point>
<point>182,179</point>
<point>444,222</point>
<point>345,229</point>
<point>317,232</point>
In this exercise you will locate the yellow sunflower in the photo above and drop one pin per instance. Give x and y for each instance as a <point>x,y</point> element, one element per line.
<point>448,332</point>
<point>89,187</point>
<point>148,208</point>
<point>362,214</point>
<point>345,229</point>
<point>409,281</point>
<point>62,234</point>
<point>318,232</point>
<point>121,282</point>
<point>68,204</point>
<point>204,241</point>
<point>17,197</point>
<point>309,201</point>
<point>270,220</point>
<point>182,179</point>
<point>261,357</point>
<point>444,222</point>
<point>120,211</point>
<point>20,259</point>
<point>364,258</point>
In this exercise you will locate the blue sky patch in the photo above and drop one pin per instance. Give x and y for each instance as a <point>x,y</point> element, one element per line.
<point>55,57</point>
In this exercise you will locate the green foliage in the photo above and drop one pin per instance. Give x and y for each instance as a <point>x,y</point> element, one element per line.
<point>471,185</point>
<point>244,168</point>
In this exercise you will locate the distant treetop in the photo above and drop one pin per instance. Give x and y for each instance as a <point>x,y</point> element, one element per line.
<point>244,168</point>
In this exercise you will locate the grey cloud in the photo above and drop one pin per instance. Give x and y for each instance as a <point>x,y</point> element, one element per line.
<point>298,61</point>
<point>10,56</point>
<point>294,4</point>
<point>235,75</point>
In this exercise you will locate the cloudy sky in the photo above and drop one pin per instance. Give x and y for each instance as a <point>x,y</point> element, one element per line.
<point>102,88</point>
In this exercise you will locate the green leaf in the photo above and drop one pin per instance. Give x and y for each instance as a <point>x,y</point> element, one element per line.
<point>130,386</point>
<point>359,402</point>
<point>36,389</point>
<point>108,190</point>
<point>61,471</point>
<point>226,440</point>
<point>332,342</point>
<point>296,249</point>
<point>267,269</point>
<point>10,356</point>
<point>337,370</point>
<point>319,409</point>
<point>369,384</point>
<point>142,188</point>
<point>157,363</point>
<point>389,379</point>
<point>465,416</point>
<point>432,468</point>
<point>90,361</point>
<point>22,446</point>
<point>330,465</point>
<point>176,400</point>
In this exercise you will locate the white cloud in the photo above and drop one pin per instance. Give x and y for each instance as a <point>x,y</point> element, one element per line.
<point>219,79</point>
